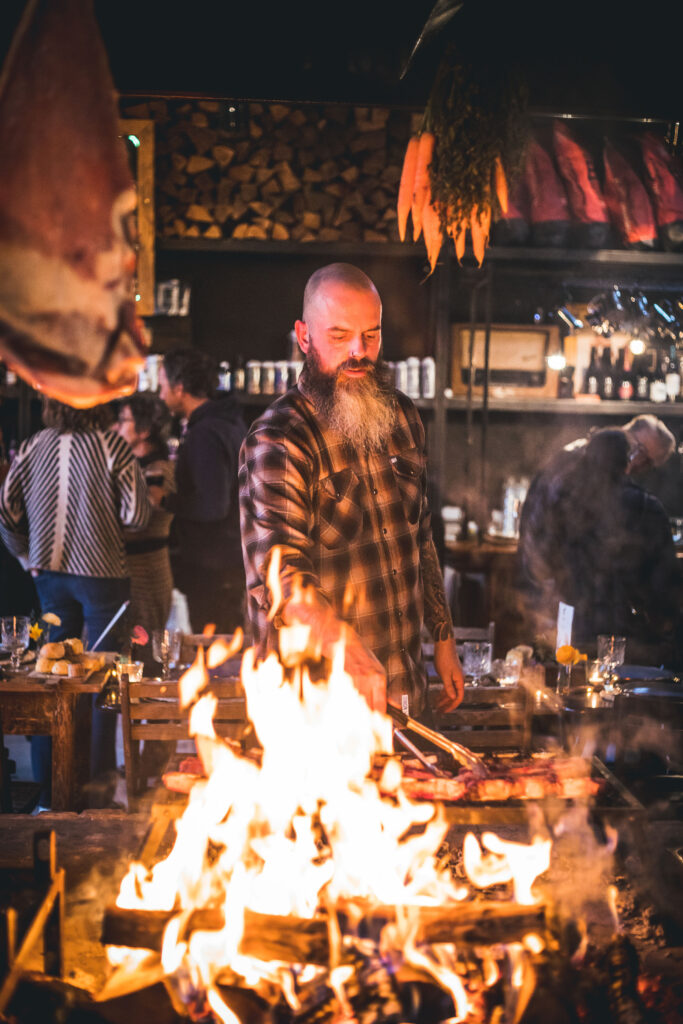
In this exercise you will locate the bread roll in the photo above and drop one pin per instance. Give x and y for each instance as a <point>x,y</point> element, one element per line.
<point>60,668</point>
<point>76,670</point>
<point>52,651</point>
<point>92,661</point>
<point>74,647</point>
<point>44,664</point>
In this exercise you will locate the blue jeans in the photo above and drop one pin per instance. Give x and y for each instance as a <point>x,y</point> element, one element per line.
<point>90,601</point>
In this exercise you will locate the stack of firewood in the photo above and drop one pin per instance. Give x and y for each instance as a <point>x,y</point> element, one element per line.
<point>307,173</point>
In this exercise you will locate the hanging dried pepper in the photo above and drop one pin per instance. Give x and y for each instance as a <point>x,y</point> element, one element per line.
<point>477,117</point>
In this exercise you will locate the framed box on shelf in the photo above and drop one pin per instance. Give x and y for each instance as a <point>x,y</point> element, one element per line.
<point>518,355</point>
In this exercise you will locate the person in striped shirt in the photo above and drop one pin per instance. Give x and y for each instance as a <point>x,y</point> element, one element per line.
<point>70,491</point>
<point>334,475</point>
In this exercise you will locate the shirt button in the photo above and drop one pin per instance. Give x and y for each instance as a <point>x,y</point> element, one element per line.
<point>394,571</point>
<point>399,614</point>
<point>384,530</point>
<point>374,490</point>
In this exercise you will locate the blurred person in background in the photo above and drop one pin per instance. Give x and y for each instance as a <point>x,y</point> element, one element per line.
<point>70,492</point>
<point>599,542</point>
<point>206,553</point>
<point>145,422</point>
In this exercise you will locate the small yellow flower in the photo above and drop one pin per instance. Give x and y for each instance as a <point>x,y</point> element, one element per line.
<point>51,619</point>
<point>568,655</point>
<point>35,632</point>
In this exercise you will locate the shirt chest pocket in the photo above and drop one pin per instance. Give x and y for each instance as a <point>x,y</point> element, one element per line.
<point>407,469</point>
<point>340,514</point>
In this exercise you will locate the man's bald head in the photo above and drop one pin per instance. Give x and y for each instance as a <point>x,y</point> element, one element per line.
<point>338,274</point>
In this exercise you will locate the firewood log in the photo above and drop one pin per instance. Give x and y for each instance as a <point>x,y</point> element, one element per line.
<point>223,155</point>
<point>197,164</point>
<point>196,212</point>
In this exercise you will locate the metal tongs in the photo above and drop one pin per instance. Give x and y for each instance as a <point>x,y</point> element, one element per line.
<point>458,752</point>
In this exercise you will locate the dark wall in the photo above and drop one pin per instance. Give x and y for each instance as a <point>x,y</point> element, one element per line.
<point>244,304</point>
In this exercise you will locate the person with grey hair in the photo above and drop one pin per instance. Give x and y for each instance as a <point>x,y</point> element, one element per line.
<point>592,538</point>
<point>334,475</point>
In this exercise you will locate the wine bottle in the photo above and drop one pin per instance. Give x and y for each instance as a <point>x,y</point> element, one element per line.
<point>593,377</point>
<point>641,379</point>
<point>658,380</point>
<point>672,377</point>
<point>624,377</point>
<point>607,389</point>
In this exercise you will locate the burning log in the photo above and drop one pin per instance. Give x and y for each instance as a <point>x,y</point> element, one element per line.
<point>300,940</point>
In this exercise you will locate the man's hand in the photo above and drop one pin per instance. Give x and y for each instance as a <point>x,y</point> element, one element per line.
<point>365,670</point>
<point>449,670</point>
<point>367,673</point>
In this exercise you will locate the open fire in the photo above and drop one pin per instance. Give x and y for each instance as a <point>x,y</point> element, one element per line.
<point>302,873</point>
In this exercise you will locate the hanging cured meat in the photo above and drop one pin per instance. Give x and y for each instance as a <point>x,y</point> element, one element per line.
<point>628,202</point>
<point>549,210</point>
<point>666,188</point>
<point>67,202</point>
<point>591,228</point>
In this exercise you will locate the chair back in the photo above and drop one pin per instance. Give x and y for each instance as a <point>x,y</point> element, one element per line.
<point>490,718</point>
<point>475,632</point>
<point>150,710</point>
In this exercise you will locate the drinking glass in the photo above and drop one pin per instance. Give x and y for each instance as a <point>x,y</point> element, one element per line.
<point>611,652</point>
<point>166,648</point>
<point>15,637</point>
<point>132,669</point>
<point>476,660</point>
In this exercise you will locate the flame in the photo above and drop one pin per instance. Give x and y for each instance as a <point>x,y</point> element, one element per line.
<point>307,831</point>
<point>518,863</point>
<point>220,651</point>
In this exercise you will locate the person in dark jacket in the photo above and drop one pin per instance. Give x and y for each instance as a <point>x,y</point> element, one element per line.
<point>594,539</point>
<point>206,547</point>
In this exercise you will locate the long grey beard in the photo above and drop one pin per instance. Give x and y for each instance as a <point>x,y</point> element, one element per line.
<point>362,410</point>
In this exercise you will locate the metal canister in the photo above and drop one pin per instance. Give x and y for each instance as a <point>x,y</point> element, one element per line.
<point>413,382</point>
<point>268,378</point>
<point>428,377</point>
<point>238,378</point>
<point>281,376</point>
<point>402,376</point>
<point>253,377</point>
<point>295,367</point>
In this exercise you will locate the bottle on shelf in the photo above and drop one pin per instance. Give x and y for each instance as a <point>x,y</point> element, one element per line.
<point>641,379</point>
<point>593,377</point>
<point>624,376</point>
<point>607,388</point>
<point>658,379</point>
<point>672,377</point>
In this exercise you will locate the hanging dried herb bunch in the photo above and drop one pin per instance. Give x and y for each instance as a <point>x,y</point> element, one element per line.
<point>456,169</point>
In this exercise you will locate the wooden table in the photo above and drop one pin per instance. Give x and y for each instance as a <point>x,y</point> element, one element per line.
<point>54,706</point>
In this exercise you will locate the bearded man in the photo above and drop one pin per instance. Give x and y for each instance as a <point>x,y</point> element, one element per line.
<point>334,475</point>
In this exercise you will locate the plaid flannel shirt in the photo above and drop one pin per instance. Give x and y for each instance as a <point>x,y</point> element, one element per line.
<point>355,526</point>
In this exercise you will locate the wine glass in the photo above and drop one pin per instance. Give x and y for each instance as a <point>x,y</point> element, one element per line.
<point>611,653</point>
<point>15,637</point>
<point>166,648</point>
<point>476,660</point>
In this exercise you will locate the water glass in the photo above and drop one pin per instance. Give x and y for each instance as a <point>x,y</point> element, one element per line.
<point>476,659</point>
<point>132,669</point>
<point>15,637</point>
<point>166,648</point>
